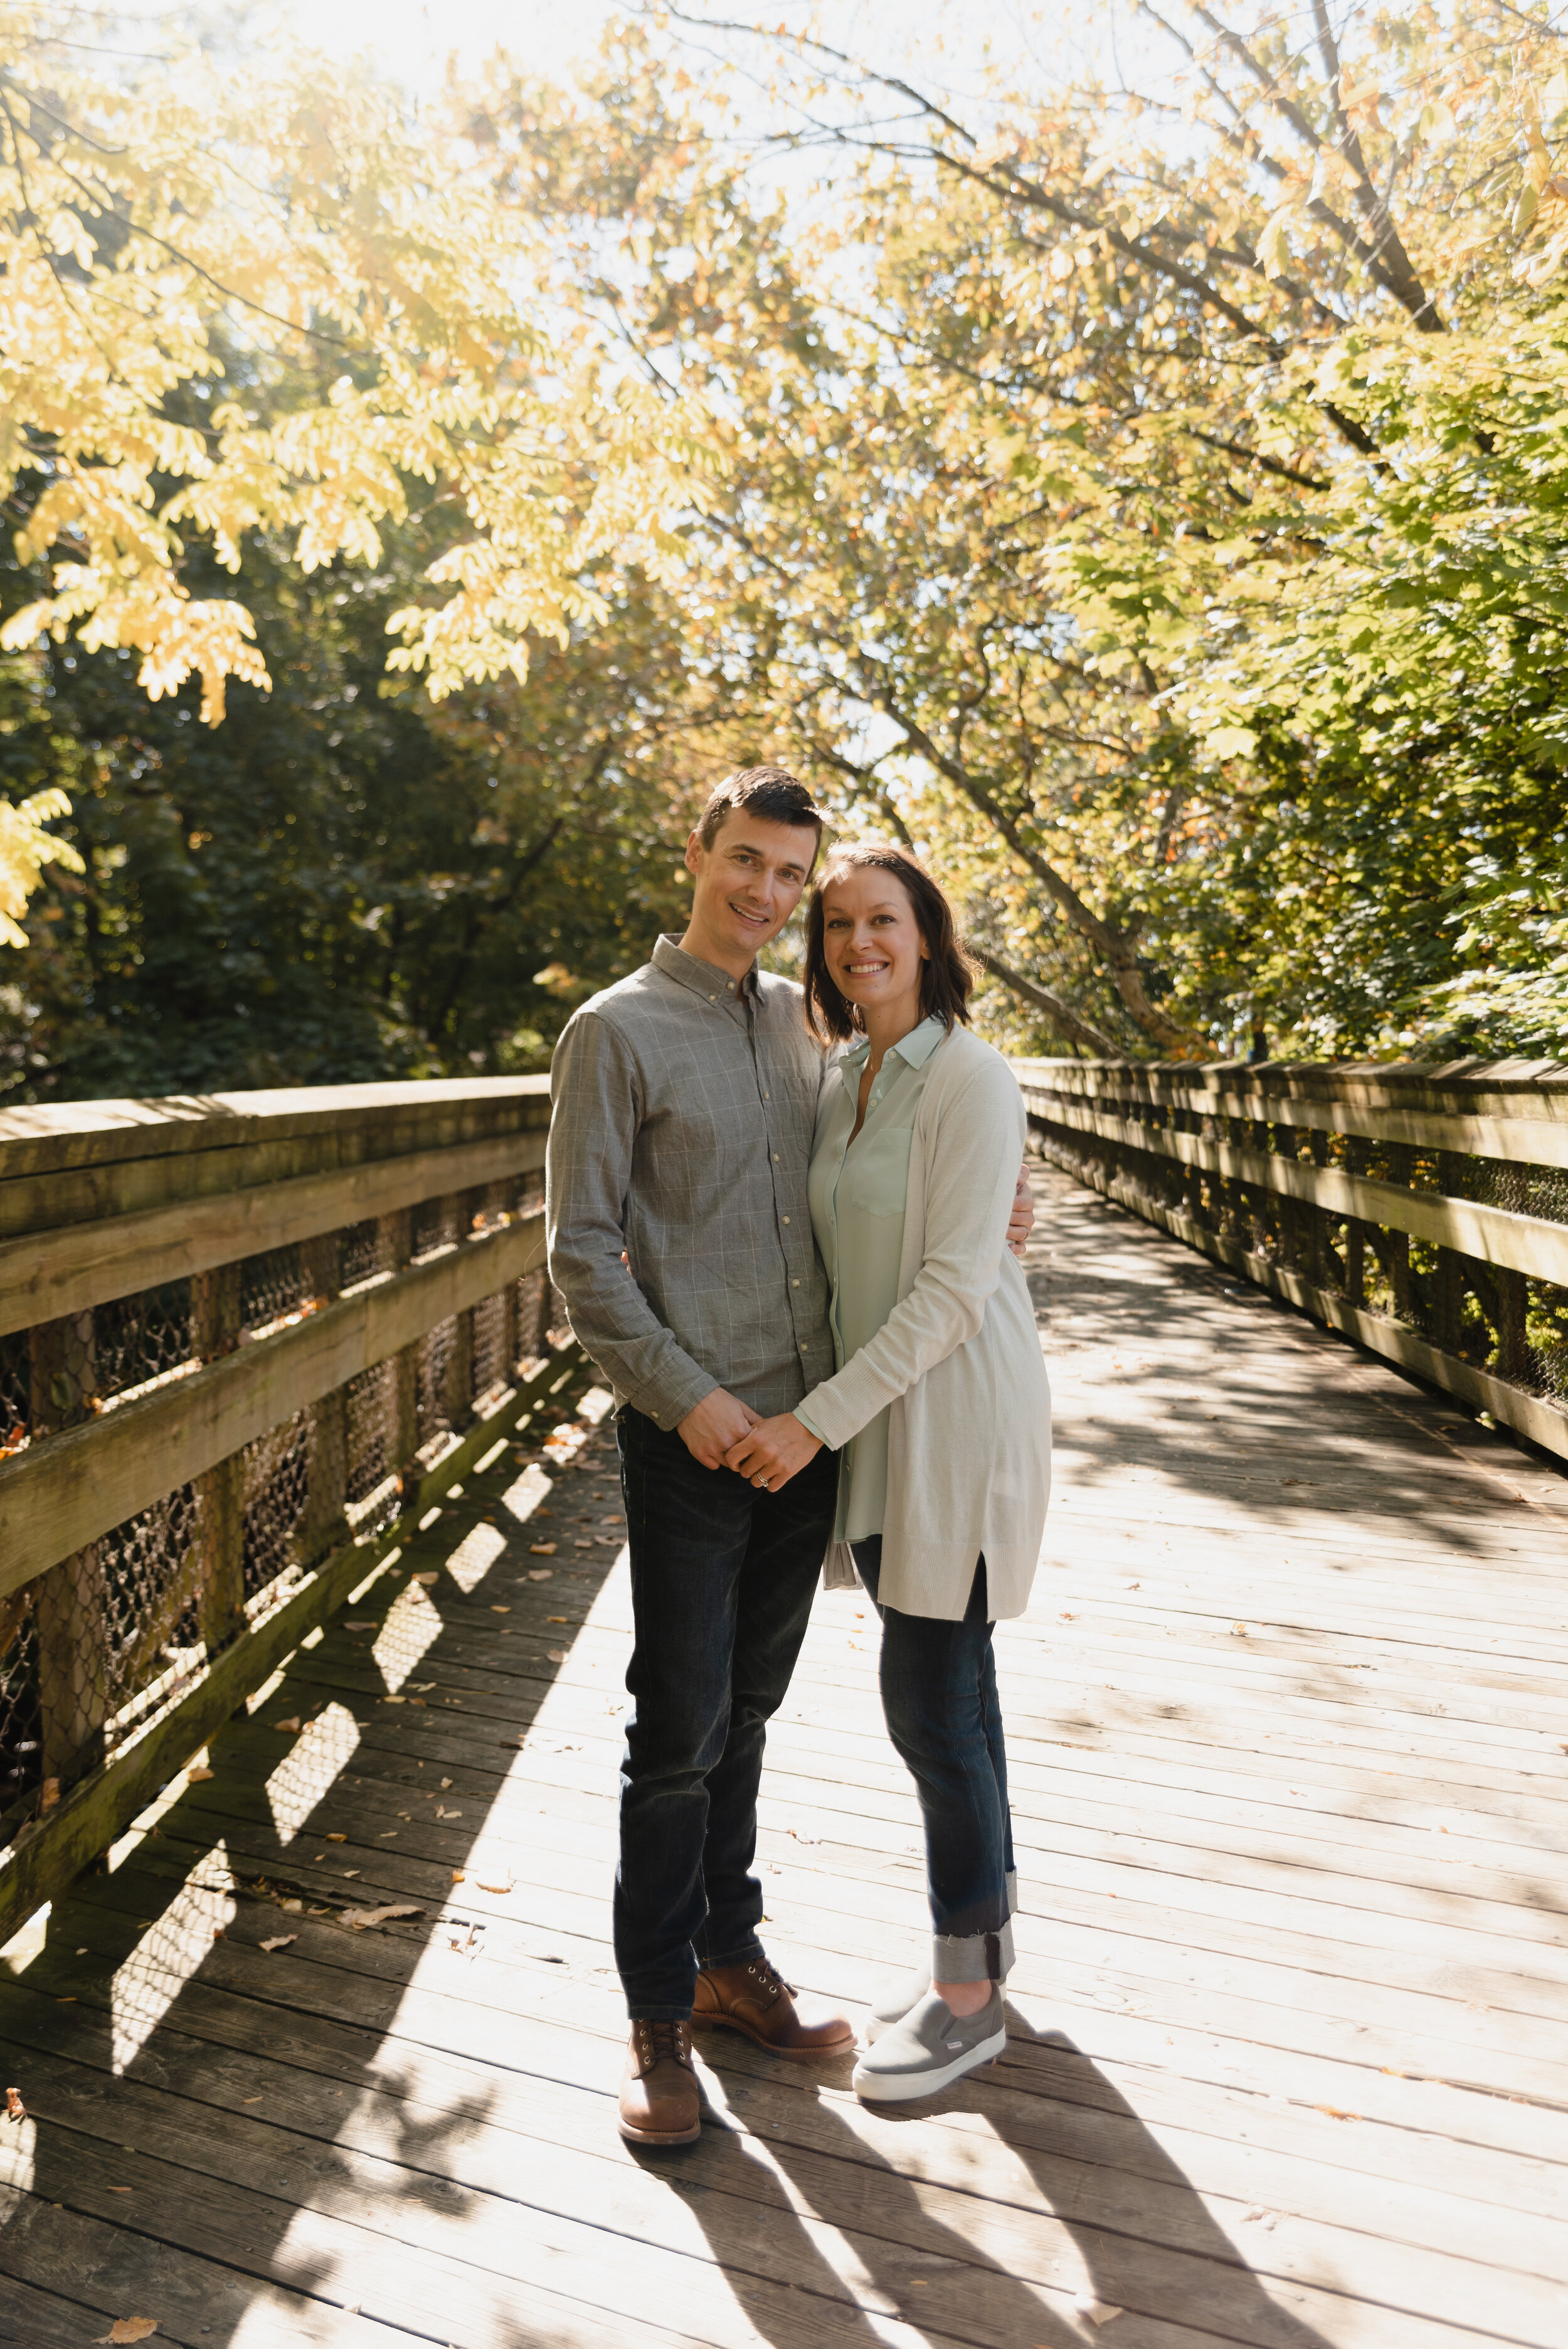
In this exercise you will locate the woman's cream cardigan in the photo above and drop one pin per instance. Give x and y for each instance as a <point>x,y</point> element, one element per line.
<point>958,1359</point>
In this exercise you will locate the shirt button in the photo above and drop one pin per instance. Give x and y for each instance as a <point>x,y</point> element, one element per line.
<point>767,1096</point>
<point>802,1346</point>
<point>776,1158</point>
<point>794,1284</point>
<point>786,1219</point>
<point>713,999</point>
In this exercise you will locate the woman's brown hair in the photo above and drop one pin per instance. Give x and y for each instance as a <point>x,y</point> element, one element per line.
<point>947,976</point>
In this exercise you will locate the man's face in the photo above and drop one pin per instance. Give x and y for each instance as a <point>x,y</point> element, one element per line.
<point>748,885</point>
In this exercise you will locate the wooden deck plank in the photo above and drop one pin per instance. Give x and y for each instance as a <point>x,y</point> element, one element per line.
<point>1245,1927</point>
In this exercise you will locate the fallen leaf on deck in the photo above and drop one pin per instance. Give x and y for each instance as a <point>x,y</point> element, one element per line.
<point>1099,2312</point>
<point>581,1541</point>
<point>498,1887</point>
<point>558,1619</point>
<point>427,1579</point>
<point>128,2328</point>
<point>1335,2113</point>
<point>291,1908</point>
<point>337,1838</point>
<point>292,1722</point>
<point>442,1813</point>
<point>557,1655</point>
<point>279,1941</point>
<point>541,1573</point>
<point>500,1610</point>
<point>457,1876</point>
<point>250,2100</point>
<point>195,1777</point>
<point>1238,1630</point>
<point>540,1549</point>
<point>117,2189</point>
<point>361,1919</point>
<point>393,1700</point>
<point>16,2110</point>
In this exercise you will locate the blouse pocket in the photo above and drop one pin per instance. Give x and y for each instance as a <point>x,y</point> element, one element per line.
<point>879,1171</point>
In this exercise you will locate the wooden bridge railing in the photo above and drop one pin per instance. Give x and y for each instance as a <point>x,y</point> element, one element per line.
<point>1423,1211</point>
<point>245,1340</point>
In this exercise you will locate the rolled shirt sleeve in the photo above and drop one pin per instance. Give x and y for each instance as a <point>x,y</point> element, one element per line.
<point>595,1093</point>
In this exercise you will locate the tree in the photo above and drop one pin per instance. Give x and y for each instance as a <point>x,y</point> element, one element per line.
<point>398,321</point>
<point>1125,492</point>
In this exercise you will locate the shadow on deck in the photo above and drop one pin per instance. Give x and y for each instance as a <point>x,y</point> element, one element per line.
<point>1287,2061</point>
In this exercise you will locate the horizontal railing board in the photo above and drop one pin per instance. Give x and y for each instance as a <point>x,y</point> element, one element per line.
<point>90,1263</point>
<point>1528,1244</point>
<point>1457,1085</point>
<point>1396,1341</point>
<point>1540,1140</point>
<point>81,1135</point>
<point>69,1489</point>
<point>42,1862</point>
<point>1530,1141</point>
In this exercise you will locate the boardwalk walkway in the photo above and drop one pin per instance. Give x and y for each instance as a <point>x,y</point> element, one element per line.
<point>1289,2063</point>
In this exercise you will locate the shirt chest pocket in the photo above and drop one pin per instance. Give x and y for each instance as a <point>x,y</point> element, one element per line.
<point>879,1171</point>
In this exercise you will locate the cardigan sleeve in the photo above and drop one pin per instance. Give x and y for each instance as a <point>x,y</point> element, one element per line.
<point>971,1173</point>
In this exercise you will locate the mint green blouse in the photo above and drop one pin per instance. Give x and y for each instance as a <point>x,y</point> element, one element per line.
<point>857,1192</point>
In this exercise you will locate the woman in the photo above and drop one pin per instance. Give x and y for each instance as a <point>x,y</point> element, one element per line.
<point>940,1410</point>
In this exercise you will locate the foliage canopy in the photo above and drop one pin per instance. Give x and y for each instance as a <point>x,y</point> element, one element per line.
<point>1148,499</point>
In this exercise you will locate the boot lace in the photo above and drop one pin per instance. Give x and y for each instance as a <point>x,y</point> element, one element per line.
<point>657,2040</point>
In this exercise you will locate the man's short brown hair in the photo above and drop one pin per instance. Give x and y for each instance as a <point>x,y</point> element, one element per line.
<point>773,793</point>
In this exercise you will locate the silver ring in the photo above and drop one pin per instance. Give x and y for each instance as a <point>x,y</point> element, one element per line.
<point>762,1483</point>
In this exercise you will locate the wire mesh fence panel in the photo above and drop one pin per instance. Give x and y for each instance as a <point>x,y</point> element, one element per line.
<point>15,1384</point>
<point>21,1714</point>
<point>272,1285</point>
<point>136,1340</point>
<point>276,1491</point>
<point>107,1632</point>
<point>436,1354</point>
<point>492,1366</point>
<point>1121,1132</point>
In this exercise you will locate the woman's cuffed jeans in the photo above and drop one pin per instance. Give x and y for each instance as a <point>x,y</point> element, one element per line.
<point>722,1582</point>
<point>944,1716</point>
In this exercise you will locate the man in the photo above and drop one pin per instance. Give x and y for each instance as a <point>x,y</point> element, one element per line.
<point>680,1237</point>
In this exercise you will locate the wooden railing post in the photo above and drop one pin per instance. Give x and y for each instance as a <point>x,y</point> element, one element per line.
<point>69,1614</point>
<point>396,1235</point>
<point>458,1385</point>
<point>1447,1317</point>
<point>220,1606</point>
<point>326,1473</point>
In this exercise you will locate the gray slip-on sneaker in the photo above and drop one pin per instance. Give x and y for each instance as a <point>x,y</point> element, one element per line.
<point>897,1993</point>
<point>930,2049</point>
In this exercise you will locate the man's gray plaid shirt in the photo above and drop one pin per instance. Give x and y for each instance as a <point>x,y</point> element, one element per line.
<point>681,1132</point>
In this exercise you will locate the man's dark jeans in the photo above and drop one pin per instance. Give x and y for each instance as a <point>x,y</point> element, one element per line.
<point>722,1582</point>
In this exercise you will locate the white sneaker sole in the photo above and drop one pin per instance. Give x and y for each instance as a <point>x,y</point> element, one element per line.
<point>905,2087</point>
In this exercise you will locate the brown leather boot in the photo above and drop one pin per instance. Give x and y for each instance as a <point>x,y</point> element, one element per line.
<point>658,2088</point>
<point>754,1999</point>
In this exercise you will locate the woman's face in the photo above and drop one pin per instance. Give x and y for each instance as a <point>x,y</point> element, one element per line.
<point>873,943</point>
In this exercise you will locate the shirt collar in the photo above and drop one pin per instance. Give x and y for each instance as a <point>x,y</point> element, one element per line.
<point>703,977</point>
<point>916,1048</point>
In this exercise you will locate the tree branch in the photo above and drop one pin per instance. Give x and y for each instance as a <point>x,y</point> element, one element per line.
<point>1057,1008</point>
<point>1112,944</point>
